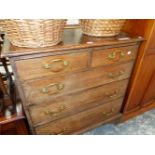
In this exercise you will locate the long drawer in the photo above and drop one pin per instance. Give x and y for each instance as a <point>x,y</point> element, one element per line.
<point>79,121</point>
<point>50,65</point>
<point>62,106</point>
<point>102,57</point>
<point>43,90</point>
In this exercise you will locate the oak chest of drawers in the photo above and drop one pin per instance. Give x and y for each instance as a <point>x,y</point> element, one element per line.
<point>76,85</point>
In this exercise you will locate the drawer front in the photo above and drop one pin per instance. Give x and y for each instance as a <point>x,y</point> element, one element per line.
<point>69,104</point>
<point>109,56</point>
<point>82,120</point>
<point>43,90</point>
<point>44,66</point>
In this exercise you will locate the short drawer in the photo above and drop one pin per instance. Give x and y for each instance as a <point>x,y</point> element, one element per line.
<point>73,103</point>
<point>114,55</point>
<point>50,65</point>
<point>74,123</point>
<point>44,90</point>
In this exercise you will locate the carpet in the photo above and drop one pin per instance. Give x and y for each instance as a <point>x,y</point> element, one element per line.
<point>141,125</point>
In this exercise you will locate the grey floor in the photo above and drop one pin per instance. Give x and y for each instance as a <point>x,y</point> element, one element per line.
<point>141,125</point>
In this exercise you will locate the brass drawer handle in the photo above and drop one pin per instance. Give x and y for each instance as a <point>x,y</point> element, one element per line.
<point>59,87</point>
<point>59,110</point>
<point>108,113</point>
<point>64,63</point>
<point>115,56</point>
<point>114,75</point>
<point>111,95</point>
<point>62,131</point>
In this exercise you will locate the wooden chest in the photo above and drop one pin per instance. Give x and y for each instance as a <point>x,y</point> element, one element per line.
<point>76,85</point>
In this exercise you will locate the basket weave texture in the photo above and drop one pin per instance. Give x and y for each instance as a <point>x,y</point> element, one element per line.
<point>102,27</point>
<point>34,33</point>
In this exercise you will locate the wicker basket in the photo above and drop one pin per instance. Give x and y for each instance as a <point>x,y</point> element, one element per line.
<point>33,33</point>
<point>102,27</point>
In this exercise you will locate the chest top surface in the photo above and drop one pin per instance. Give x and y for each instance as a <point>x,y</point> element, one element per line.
<point>72,39</point>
